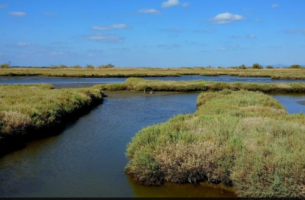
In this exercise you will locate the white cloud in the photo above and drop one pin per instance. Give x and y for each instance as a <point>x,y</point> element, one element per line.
<point>27,46</point>
<point>50,14</point>
<point>170,3</point>
<point>57,53</point>
<point>169,46</point>
<point>195,43</point>
<point>149,11</point>
<point>251,36</point>
<point>185,4</point>
<point>222,49</point>
<point>173,30</point>
<point>274,5</point>
<point>19,44</point>
<point>103,38</point>
<point>22,44</point>
<point>296,31</point>
<point>229,47</point>
<point>17,14</point>
<point>204,31</point>
<point>111,27</point>
<point>237,36</point>
<point>226,18</point>
<point>257,20</point>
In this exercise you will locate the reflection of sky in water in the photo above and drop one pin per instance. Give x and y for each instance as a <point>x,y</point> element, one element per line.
<point>292,103</point>
<point>56,80</point>
<point>224,79</point>
<point>78,81</point>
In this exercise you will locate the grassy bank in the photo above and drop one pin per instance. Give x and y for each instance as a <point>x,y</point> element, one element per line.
<point>242,139</point>
<point>139,84</point>
<point>274,73</point>
<point>36,109</point>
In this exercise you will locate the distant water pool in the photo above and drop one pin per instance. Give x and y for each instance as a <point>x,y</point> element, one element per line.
<point>66,82</point>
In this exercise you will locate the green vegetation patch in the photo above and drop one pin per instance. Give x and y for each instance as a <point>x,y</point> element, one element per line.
<point>139,84</point>
<point>109,70</point>
<point>26,108</point>
<point>243,139</point>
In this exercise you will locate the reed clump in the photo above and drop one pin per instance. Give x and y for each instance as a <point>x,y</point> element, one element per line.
<point>243,139</point>
<point>25,109</point>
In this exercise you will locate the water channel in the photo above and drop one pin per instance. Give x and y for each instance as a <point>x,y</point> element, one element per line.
<point>60,82</point>
<point>88,157</point>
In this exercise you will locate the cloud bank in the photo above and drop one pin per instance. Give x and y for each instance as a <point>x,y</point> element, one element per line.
<point>17,14</point>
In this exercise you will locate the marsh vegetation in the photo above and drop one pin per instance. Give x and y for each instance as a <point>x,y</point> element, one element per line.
<point>242,139</point>
<point>25,109</point>
<point>139,84</point>
<point>109,70</point>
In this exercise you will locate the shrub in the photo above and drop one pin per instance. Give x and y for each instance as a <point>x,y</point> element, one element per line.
<point>4,65</point>
<point>295,66</point>
<point>257,66</point>
<point>63,66</point>
<point>242,66</point>
<point>106,66</point>
<point>77,67</point>
<point>88,66</point>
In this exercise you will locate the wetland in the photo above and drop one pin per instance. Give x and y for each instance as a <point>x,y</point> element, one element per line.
<point>87,158</point>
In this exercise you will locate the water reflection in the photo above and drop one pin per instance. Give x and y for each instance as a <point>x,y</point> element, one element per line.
<point>169,190</point>
<point>69,82</point>
<point>294,103</point>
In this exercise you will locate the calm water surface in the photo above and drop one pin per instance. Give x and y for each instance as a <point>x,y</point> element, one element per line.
<point>87,158</point>
<point>64,82</point>
<point>59,82</point>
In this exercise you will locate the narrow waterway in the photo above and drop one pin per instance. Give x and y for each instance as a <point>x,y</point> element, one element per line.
<point>87,159</point>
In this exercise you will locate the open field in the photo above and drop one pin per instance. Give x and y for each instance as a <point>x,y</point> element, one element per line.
<point>26,109</point>
<point>140,84</point>
<point>274,73</point>
<point>242,139</point>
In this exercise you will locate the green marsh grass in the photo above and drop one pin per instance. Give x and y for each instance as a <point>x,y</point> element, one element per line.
<point>139,84</point>
<point>242,139</point>
<point>104,71</point>
<point>27,108</point>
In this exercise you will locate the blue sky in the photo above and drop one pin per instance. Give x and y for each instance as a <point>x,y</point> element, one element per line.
<point>152,33</point>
